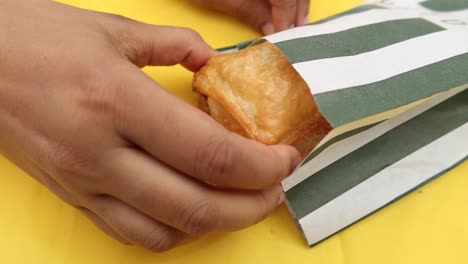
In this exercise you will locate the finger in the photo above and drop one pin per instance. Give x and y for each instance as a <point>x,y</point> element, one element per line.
<point>136,227</point>
<point>23,161</point>
<point>187,139</point>
<point>255,13</point>
<point>302,16</point>
<point>32,169</point>
<point>181,202</point>
<point>145,44</point>
<point>103,225</point>
<point>283,13</point>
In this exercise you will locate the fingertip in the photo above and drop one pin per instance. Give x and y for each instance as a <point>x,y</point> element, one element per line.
<point>282,27</point>
<point>284,14</point>
<point>302,21</point>
<point>268,29</point>
<point>281,198</point>
<point>302,16</point>
<point>290,156</point>
<point>295,162</point>
<point>276,198</point>
<point>178,45</point>
<point>194,62</point>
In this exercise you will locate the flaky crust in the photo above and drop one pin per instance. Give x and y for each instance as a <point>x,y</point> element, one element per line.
<point>257,93</point>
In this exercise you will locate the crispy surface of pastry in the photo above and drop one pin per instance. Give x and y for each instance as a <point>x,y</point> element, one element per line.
<point>258,94</point>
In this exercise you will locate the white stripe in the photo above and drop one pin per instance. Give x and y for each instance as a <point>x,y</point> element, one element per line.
<point>386,185</point>
<point>402,4</point>
<point>416,6</point>
<point>344,147</point>
<point>342,23</point>
<point>452,21</point>
<point>344,72</point>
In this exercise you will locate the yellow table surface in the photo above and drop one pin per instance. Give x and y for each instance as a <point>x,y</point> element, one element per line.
<point>428,226</point>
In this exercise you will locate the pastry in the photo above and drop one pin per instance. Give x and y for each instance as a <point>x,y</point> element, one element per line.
<point>257,93</point>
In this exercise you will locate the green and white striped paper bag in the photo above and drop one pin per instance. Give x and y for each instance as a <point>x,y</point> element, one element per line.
<point>391,77</point>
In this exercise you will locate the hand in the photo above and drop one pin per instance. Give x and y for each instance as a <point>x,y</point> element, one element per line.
<point>78,114</point>
<point>267,16</point>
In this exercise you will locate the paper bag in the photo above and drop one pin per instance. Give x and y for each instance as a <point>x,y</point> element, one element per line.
<point>390,77</point>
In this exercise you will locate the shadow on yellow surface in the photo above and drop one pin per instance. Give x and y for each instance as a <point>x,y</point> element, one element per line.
<point>428,226</point>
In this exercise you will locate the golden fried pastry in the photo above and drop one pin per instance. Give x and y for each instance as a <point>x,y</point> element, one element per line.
<point>258,94</point>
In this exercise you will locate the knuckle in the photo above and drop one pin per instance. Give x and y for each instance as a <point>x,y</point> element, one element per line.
<point>99,93</point>
<point>192,33</point>
<point>245,7</point>
<point>63,158</point>
<point>87,77</point>
<point>118,17</point>
<point>71,164</point>
<point>112,21</point>
<point>103,97</point>
<point>96,91</point>
<point>127,44</point>
<point>284,3</point>
<point>251,12</point>
<point>215,160</point>
<point>123,35</point>
<point>160,240</point>
<point>200,218</point>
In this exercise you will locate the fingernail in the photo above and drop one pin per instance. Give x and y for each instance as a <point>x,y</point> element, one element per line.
<point>306,20</point>
<point>282,198</point>
<point>268,29</point>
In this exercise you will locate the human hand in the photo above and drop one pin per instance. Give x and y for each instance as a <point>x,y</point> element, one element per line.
<point>78,114</point>
<point>267,16</point>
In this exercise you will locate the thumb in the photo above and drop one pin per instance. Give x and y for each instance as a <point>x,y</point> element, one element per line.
<point>145,44</point>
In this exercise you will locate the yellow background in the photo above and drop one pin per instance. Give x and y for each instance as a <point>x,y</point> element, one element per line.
<point>428,226</point>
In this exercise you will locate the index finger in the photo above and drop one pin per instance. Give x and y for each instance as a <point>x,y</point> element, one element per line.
<point>302,12</point>
<point>283,13</point>
<point>146,44</point>
<point>190,141</point>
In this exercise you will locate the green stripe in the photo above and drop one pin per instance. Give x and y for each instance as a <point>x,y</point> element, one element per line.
<point>356,10</point>
<point>228,49</point>
<point>346,105</point>
<point>237,47</point>
<point>355,40</point>
<point>397,198</point>
<point>377,155</point>
<point>359,9</point>
<point>446,5</point>
<point>336,139</point>
<point>244,44</point>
